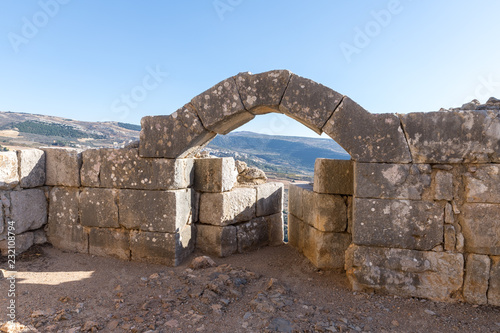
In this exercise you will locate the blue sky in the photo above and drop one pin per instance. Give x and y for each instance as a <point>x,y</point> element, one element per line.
<point>81,59</point>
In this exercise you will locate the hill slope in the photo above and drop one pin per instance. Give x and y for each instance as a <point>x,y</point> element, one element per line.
<point>35,130</point>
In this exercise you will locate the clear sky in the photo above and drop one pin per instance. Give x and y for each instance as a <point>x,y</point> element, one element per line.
<point>122,60</point>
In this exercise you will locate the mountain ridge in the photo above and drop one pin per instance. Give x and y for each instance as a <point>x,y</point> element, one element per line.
<point>283,156</point>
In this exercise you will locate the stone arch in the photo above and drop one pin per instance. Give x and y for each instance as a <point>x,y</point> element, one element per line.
<point>424,184</point>
<point>235,101</point>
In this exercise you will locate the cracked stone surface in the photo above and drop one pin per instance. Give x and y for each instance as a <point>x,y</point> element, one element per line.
<point>220,108</point>
<point>368,137</point>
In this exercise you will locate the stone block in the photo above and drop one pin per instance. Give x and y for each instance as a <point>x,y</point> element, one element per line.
<point>415,225</point>
<point>481,228</point>
<point>325,212</point>
<point>220,108</point>
<point>453,136</point>
<point>91,167</point>
<point>391,181</point>
<point>39,236</point>
<point>195,204</point>
<point>5,200</point>
<point>294,234</point>
<point>107,242</point>
<point>482,183</point>
<point>295,194</point>
<point>28,209</point>
<point>460,242</point>
<point>9,176</point>
<point>449,217</point>
<point>443,186</point>
<point>261,93</point>
<point>494,286</point>
<point>98,208</point>
<point>276,229</point>
<point>155,211</point>
<point>228,208</point>
<point>252,234</point>
<point>304,230</point>
<point>64,206</point>
<point>350,208</point>
<point>215,174</point>
<point>215,240</point>
<point>309,103</point>
<point>178,135</point>
<point>162,248</point>
<point>326,250</point>
<point>333,176</point>
<point>434,275</point>
<point>22,243</point>
<point>123,168</point>
<point>477,274</point>
<point>269,198</point>
<point>62,166</point>
<point>368,137</point>
<point>31,167</point>
<point>450,238</point>
<point>68,237</point>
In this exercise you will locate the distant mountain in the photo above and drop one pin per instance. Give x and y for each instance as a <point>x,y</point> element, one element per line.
<point>279,154</point>
<point>283,156</point>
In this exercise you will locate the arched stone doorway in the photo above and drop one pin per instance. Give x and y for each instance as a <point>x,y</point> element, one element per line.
<point>235,101</point>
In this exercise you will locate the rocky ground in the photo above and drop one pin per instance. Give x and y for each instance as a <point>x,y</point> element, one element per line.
<point>273,289</point>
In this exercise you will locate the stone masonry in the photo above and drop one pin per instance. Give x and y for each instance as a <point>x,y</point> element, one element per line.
<point>319,218</point>
<point>413,213</point>
<point>112,202</point>
<point>235,218</point>
<point>23,200</point>
<point>122,205</point>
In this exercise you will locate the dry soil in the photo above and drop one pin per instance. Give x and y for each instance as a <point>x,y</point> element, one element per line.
<point>272,289</point>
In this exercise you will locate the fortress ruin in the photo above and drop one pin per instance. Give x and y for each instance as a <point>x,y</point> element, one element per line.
<point>413,213</point>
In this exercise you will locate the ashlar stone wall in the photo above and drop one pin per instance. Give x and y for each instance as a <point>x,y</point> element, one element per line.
<point>320,218</point>
<point>23,200</point>
<point>112,202</point>
<point>235,217</point>
<point>430,228</point>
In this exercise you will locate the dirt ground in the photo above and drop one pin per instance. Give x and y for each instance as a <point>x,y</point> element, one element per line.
<point>272,289</point>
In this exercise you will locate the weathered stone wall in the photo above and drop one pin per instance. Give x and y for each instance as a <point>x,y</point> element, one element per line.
<point>23,200</point>
<point>319,223</point>
<point>235,217</point>
<point>112,202</point>
<point>430,228</point>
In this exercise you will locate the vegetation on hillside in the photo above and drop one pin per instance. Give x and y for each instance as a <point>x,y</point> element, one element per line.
<point>130,126</point>
<point>53,129</point>
<point>281,155</point>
